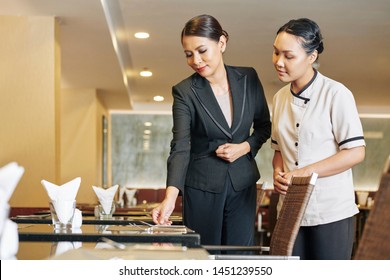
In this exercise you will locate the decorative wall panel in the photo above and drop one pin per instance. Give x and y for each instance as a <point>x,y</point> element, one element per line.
<point>140,148</point>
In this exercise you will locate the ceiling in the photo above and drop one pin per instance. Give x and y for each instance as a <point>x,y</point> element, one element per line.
<point>356,38</point>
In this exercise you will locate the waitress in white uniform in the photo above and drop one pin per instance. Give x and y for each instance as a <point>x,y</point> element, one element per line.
<point>315,128</point>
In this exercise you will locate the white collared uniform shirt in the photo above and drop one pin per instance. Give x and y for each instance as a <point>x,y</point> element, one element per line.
<point>311,126</point>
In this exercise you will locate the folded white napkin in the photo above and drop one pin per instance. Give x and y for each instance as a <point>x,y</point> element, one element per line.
<point>9,241</point>
<point>67,191</point>
<point>131,200</point>
<point>62,198</point>
<point>4,212</point>
<point>77,219</point>
<point>10,175</point>
<point>106,196</point>
<point>121,200</point>
<point>63,210</point>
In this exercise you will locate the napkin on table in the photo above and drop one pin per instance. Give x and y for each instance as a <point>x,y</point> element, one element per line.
<point>9,241</point>
<point>106,196</point>
<point>121,200</point>
<point>10,175</point>
<point>77,219</point>
<point>65,192</point>
<point>131,200</point>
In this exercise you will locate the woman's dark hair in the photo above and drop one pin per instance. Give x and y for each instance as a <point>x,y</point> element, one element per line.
<point>204,26</point>
<point>308,31</point>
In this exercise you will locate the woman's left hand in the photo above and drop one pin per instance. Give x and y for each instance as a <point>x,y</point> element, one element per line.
<point>230,152</point>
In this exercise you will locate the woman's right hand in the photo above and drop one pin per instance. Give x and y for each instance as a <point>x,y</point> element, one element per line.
<point>163,211</point>
<point>280,183</point>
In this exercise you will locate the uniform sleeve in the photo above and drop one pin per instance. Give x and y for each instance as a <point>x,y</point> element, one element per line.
<point>181,143</point>
<point>346,124</point>
<point>274,134</point>
<point>261,123</point>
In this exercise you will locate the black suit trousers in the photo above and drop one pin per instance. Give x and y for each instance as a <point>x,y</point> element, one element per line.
<point>226,218</point>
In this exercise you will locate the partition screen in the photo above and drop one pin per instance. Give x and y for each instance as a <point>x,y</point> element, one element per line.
<point>141,142</point>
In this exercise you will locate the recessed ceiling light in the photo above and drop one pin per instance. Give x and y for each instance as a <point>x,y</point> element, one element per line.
<point>141,35</point>
<point>158,98</point>
<point>147,124</point>
<point>146,73</point>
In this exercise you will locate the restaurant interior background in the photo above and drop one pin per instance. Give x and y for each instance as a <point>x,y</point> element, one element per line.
<point>73,103</point>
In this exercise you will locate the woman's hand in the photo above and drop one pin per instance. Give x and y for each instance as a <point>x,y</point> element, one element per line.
<point>163,211</point>
<point>230,152</point>
<point>283,179</point>
<point>280,182</point>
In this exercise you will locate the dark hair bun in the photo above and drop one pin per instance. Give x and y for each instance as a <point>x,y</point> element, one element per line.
<point>320,47</point>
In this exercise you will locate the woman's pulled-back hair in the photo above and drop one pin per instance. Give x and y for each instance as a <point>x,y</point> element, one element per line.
<point>308,31</point>
<point>204,26</point>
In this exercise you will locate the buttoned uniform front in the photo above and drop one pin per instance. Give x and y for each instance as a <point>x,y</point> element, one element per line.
<point>199,128</point>
<point>313,125</point>
<point>219,197</point>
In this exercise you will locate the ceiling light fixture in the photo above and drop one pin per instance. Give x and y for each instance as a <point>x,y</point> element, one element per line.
<point>158,98</point>
<point>146,73</point>
<point>141,35</point>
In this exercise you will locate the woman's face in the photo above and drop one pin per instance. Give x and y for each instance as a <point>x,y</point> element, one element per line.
<point>203,54</point>
<point>291,61</point>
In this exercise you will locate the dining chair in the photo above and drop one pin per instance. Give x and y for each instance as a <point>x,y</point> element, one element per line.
<point>386,168</point>
<point>287,224</point>
<point>291,214</point>
<point>375,243</point>
<point>260,193</point>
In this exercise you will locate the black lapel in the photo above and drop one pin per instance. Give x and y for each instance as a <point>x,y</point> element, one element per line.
<point>238,87</point>
<point>203,92</point>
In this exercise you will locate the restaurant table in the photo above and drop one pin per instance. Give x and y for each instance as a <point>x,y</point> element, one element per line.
<point>119,233</point>
<point>102,251</point>
<point>138,218</point>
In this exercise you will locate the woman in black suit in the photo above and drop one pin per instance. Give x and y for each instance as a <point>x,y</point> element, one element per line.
<point>212,159</point>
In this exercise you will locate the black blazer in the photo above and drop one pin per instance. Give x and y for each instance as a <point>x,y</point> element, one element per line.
<point>199,127</point>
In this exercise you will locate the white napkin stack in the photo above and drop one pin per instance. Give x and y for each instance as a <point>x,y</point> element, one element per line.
<point>10,176</point>
<point>65,192</point>
<point>106,196</point>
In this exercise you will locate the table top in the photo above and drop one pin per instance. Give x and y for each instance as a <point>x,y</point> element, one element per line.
<point>120,233</point>
<point>103,251</point>
<point>115,220</point>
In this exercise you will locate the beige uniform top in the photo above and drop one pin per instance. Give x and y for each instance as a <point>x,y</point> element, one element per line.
<point>313,125</point>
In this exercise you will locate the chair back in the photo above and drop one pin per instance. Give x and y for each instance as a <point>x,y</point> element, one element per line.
<point>260,193</point>
<point>375,242</point>
<point>291,214</point>
<point>386,168</point>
